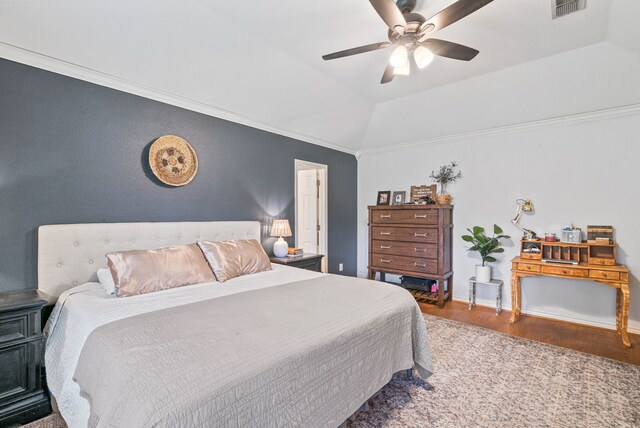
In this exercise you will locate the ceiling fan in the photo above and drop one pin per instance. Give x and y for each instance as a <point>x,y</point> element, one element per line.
<point>409,33</point>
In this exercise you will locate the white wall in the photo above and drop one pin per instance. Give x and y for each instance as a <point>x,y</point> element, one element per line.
<point>585,172</point>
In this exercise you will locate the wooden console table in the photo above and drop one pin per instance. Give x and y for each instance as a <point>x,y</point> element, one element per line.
<point>616,276</point>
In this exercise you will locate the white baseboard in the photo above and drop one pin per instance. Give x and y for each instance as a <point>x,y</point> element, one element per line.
<point>634,327</point>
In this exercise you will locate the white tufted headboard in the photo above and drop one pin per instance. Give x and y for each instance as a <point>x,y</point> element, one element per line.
<point>70,254</point>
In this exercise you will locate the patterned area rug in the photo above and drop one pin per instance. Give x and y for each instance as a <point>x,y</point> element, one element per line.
<point>488,379</point>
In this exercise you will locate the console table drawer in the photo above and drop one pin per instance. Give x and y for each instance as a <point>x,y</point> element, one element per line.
<point>604,274</point>
<point>410,249</point>
<point>565,271</point>
<point>428,235</point>
<point>412,264</point>
<point>528,268</point>
<point>403,216</point>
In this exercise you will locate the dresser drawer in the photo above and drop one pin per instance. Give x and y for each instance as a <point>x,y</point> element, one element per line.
<point>19,369</point>
<point>408,234</point>
<point>313,265</point>
<point>16,325</point>
<point>604,274</point>
<point>410,249</point>
<point>404,216</point>
<point>528,268</point>
<point>412,264</point>
<point>583,273</point>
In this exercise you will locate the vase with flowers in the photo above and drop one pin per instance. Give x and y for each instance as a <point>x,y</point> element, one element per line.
<point>445,175</point>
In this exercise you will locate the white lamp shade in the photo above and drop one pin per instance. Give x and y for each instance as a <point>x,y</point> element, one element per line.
<point>399,57</point>
<point>404,70</point>
<point>422,56</point>
<point>280,228</point>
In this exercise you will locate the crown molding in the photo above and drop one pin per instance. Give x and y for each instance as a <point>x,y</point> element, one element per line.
<point>55,65</point>
<point>615,112</point>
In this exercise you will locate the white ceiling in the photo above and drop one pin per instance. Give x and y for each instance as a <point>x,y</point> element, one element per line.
<point>259,62</point>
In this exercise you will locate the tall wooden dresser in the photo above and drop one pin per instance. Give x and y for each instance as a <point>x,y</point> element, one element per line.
<point>413,240</point>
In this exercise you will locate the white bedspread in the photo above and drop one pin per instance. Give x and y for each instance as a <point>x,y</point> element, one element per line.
<point>400,337</point>
<point>82,309</point>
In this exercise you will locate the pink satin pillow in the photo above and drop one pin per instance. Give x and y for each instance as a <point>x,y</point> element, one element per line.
<point>230,259</point>
<point>145,271</point>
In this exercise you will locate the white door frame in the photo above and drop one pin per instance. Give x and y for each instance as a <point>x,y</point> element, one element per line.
<point>323,206</point>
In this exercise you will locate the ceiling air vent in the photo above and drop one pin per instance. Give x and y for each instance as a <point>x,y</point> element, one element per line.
<point>564,7</point>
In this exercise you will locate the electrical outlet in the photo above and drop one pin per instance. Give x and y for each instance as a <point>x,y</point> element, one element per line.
<point>341,267</point>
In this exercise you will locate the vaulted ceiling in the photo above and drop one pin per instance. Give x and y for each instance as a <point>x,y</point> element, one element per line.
<point>259,63</point>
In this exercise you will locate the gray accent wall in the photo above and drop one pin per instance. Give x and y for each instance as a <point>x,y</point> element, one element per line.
<point>75,152</point>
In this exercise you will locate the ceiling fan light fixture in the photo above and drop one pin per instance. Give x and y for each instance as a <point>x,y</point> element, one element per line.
<point>399,29</point>
<point>422,56</point>
<point>399,57</point>
<point>402,70</point>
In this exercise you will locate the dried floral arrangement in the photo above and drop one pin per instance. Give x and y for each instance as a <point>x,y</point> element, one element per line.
<point>446,174</point>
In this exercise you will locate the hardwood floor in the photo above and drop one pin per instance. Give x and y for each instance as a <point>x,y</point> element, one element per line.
<point>592,340</point>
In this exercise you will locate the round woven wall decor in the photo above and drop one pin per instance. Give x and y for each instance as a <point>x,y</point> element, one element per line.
<point>173,160</point>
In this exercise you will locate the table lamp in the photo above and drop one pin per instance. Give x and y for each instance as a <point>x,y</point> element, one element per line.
<point>524,205</point>
<point>280,228</point>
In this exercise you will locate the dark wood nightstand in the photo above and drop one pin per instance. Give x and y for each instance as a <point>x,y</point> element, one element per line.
<point>22,397</point>
<point>308,261</point>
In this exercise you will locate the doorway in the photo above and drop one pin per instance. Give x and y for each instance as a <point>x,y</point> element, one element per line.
<point>312,209</point>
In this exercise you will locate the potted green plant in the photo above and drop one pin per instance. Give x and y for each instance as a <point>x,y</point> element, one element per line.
<point>485,246</point>
<point>446,174</point>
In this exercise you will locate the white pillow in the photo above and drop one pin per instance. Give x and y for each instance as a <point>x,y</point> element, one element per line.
<point>106,279</point>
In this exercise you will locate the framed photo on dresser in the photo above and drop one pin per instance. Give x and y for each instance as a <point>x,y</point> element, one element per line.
<point>384,197</point>
<point>399,197</point>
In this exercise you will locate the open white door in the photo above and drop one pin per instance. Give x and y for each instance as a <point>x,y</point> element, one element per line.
<point>311,209</point>
<point>307,220</point>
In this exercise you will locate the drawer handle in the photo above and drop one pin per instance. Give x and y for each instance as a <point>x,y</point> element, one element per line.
<point>423,235</point>
<point>385,216</point>
<point>421,250</point>
<point>385,247</point>
<point>604,275</point>
<point>385,261</point>
<point>564,271</point>
<point>420,216</point>
<point>385,233</point>
<point>419,265</point>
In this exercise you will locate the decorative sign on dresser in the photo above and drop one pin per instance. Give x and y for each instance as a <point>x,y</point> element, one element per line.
<point>413,240</point>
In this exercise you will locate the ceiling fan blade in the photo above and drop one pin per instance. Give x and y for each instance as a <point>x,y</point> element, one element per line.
<point>450,49</point>
<point>355,51</point>
<point>388,75</point>
<point>453,13</point>
<point>390,14</point>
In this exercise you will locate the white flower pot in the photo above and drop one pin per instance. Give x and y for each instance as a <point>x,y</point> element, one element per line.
<point>483,273</point>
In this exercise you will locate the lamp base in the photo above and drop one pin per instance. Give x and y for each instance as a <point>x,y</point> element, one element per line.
<point>280,248</point>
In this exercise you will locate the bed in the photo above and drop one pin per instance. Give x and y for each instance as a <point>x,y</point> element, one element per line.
<point>285,347</point>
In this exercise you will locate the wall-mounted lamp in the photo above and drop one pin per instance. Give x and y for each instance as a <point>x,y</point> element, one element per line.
<point>280,228</point>
<point>524,205</point>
